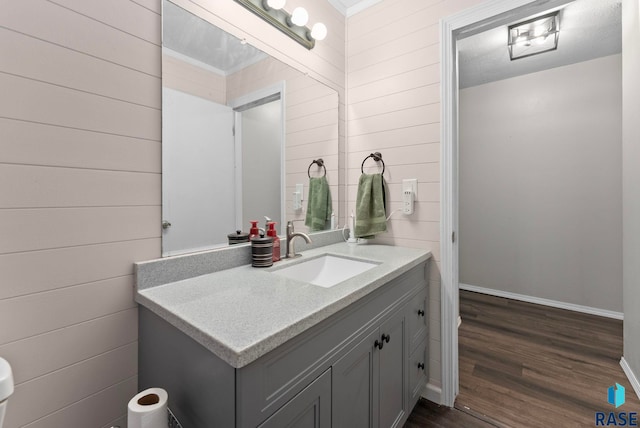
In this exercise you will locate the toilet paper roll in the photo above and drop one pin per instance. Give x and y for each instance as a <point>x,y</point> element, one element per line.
<point>148,409</point>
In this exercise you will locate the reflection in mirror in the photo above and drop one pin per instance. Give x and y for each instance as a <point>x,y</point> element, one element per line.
<point>239,132</point>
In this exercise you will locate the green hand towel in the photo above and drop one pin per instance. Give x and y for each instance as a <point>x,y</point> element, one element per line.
<point>319,204</point>
<point>371,217</point>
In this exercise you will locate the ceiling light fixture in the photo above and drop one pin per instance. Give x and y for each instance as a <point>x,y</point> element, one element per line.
<point>293,25</point>
<point>534,36</point>
<point>276,4</point>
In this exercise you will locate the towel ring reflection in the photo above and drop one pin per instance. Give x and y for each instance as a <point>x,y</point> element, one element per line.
<point>320,163</point>
<point>376,157</point>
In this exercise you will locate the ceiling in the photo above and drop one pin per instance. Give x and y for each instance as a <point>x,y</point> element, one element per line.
<point>191,36</point>
<point>351,7</point>
<point>589,29</point>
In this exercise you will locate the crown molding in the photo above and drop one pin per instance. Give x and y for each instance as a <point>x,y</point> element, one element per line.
<point>352,10</point>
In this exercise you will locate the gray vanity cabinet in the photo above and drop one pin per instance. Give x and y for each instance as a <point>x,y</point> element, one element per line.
<point>369,382</point>
<point>363,366</point>
<point>311,408</point>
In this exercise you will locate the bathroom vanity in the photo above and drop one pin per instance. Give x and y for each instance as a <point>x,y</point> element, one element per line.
<point>248,347</point>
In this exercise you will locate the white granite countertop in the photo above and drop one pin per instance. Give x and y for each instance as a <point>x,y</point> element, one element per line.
<point>242,313</point>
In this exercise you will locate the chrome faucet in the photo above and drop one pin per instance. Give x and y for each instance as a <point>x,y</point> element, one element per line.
<point>291,234</point>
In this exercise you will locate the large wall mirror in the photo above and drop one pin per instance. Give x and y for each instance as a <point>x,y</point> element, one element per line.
<point>240,130</point>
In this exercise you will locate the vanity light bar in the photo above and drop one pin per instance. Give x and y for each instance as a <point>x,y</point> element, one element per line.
<point>280,19</point>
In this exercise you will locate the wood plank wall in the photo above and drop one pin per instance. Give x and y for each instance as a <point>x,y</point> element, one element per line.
<point>393,106</point>
<point>79,202</point>
<point>80,197</point>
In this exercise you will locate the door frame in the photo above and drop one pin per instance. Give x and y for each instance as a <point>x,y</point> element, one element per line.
<point>489,14</point>
<point>252,97</point>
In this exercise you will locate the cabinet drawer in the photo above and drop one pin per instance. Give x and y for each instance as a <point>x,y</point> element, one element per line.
<point>417,318</point>
<point>418,372</point>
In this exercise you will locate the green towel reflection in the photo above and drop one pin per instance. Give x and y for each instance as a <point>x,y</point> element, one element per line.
<point>319,204</point>
<point>371,217</point>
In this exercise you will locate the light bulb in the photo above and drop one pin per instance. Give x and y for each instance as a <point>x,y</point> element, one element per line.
<point>319,31</point>
<point>300,16</point>
<point>276,4</point>
<point>540,40</point>
<point>539,30</point>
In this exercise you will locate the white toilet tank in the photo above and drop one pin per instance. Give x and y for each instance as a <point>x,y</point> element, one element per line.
<point>6,387</point>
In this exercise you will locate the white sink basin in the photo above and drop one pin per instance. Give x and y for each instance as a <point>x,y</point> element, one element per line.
<point>327,270</point>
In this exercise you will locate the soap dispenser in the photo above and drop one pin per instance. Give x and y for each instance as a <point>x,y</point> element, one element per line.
<point>271,232</point>
<point>253,231</point>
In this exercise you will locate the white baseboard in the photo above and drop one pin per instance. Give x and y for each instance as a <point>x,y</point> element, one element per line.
<point>540,301</point>
<point>635,383</point>
<point>432,393</point>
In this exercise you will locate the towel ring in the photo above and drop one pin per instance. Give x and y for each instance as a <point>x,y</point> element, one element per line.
<point>320,163</point>
<point>376,157</point>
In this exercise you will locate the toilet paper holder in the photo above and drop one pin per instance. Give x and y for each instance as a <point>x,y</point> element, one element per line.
<point>172,421</point>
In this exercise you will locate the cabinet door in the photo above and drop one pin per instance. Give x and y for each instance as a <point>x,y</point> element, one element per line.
<point>392,371</point>
<point>311,408</point>
<point>354,386</point>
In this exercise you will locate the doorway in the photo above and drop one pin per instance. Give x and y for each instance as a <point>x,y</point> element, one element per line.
<point>469,22</point>
<point>259,119</point>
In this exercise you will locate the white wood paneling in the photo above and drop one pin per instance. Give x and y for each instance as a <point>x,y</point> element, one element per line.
<point>126,15</point>
<point>399,101</point>
<point>68,345</point>
<point>64,267</point>
<point>42,396</point>
<point>43,187</point>
<point>39,229</point>
<point>80,157</point>
<point>80,162</point>
<point>94,410</point>
<point>34,101</point>
<point>191,79</point>
<point>394,66</point>
<point>152,5</point>
<point>65,27</point>
<point>48,62</point>
<point>43,312</point>
<point>392,85</point>
<point>390,47</point>
<point>30,143</point>
<point>420,134</point>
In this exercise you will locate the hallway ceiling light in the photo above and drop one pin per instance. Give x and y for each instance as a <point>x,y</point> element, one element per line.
<point>534,36</point>
<point>293,25</point>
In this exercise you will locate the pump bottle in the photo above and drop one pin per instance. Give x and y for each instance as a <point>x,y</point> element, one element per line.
<point>271,232</point>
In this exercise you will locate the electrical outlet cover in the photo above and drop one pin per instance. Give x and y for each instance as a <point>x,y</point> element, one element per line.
<point>412,184</point>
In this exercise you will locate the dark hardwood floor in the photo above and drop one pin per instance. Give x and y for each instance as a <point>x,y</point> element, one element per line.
<point>526,365</point>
